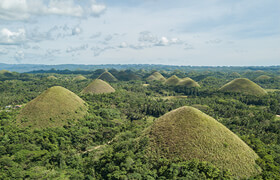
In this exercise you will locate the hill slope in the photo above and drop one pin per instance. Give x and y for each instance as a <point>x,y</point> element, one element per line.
<point>107,76</point>
<point>172,81</point>
<point>189,133</point>
<point>188,82</point>
<point>53,108</point>
<point>156,76</point>
<point>98,86</point>
<point>243,85</point>
<point>51,78</point>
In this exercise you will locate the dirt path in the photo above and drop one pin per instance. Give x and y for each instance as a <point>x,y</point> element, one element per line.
<point>97,147</point>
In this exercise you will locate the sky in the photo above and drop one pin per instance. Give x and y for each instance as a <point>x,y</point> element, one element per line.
<point>178,32</point>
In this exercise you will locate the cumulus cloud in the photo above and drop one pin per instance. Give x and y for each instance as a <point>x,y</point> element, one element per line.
<point>24,9</point>
<point>8,37</point>
<point>97,9</point>
<point>146,36</point>
<point>76,31</point>
<point>163,42</point>
<point>123,45</point>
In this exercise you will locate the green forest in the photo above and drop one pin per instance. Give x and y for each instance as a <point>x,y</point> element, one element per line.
<point>146,122</point>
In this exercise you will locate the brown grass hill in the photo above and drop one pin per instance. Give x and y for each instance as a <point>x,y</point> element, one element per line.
<point>188,133</point>
<point>51,78</point>
<point>263,78</point>
<point>156,76</point>
<point>107,76</point>
<point>55,107</point>
<point>243,85</point>
<point>79,78</point>
<point>172,81</point>
<point>235,75</point>
<point>98,86</point>
<point>188,83</point>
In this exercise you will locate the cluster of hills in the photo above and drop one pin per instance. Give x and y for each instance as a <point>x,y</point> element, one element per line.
<point>185,133</point>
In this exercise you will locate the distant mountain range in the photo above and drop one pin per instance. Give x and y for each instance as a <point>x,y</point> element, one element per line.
<point>37,67</point>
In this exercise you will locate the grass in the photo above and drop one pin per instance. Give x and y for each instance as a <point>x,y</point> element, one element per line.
<point>243,85</point>
<point>98,86</point>
<point>79,78</point>
<point>172,81</point>
<point>156,76</point>
<point>55,107</point>
<point>188,82</point>
<point>107,76</point>
<point>188,133</point>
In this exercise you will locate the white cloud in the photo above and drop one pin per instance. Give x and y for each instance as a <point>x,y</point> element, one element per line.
<point>123,45</point>
<point>97,9</point>
<point>63,7</point>
<point>24,9</point>
<point>163,42</point>
<point>76,31</point>
<point>8,37</point>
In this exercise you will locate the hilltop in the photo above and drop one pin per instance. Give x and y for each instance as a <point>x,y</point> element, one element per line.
<point>172,81</point>
<point>188,133</point>
<point>188,82</point>
<point>79,78</point>
<point>55,107</point>
<point>107,76</point>
<point>243,85</point>
<point>156,76</point>
<point>98,86</point>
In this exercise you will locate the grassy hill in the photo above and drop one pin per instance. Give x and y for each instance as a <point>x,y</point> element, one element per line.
<point>243,85</point>
<point>188,133</point>
<point>156,76</point>
<point>172,81</point>
<point>98,86</point>
<point>53,108</point>
<point>235,75</point>
<point>79,78</point>
<point>107,76</point>
<point>188,82</point>
<point>263,78</point>
<point>51,78</point>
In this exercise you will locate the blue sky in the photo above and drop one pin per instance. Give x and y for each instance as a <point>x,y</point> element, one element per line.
<point>179,32</point>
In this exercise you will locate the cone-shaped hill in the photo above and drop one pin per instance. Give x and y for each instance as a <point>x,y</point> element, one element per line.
<point>263,78</point>
<point>156,76</point>
<point>53,108</point>
<point>79,78</point>
<point>188,82</point>
<point>172,81</point>
<point>188,133</point>
<point>243,85</point>
<point>51,78</point>
<point>235,75</point>
<point>98,86</point>
<point>107,76</point>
